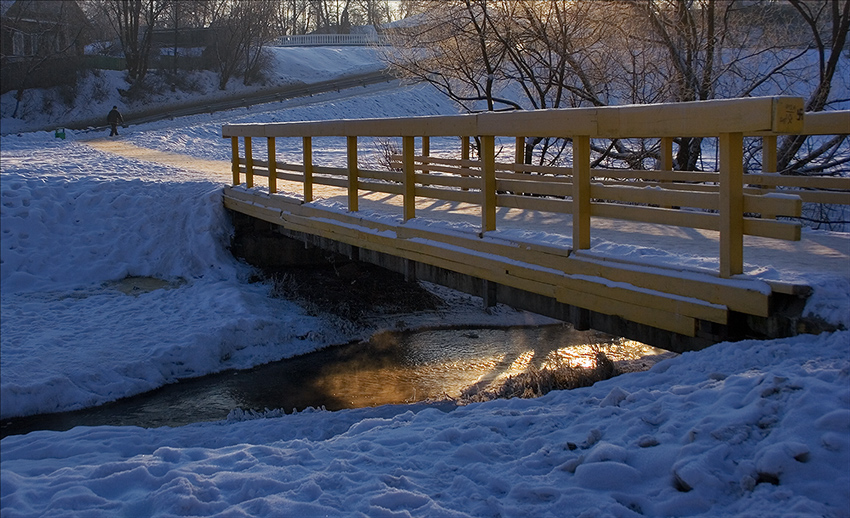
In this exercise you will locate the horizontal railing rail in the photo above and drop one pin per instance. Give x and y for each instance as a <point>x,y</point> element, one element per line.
<point>728,201</point>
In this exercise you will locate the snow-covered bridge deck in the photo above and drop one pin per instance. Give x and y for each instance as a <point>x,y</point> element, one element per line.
<point>609,249</point>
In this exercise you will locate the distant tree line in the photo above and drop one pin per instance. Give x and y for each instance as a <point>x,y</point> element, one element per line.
<point>237,31</point>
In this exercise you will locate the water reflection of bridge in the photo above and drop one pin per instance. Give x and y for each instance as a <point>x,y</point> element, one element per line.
<point>544,238</point>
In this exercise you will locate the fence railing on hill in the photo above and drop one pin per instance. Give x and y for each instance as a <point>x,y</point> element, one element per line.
<point>318,40</point>
<point>728,201</point>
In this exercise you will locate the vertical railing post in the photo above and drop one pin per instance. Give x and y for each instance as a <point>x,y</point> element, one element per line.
<point>488,183</point>
<point>581,193</point>
<point>464,155</point>
<point>768,162</point>
<point>665,154</point>
<point>731,204</point>
<point>352,175</point>
<point>234,156</point>
<point>426,152</point>
<point>272,166</point>
<point>249,164</point>
<point>307,151</point>
<point>665,158</point>
<point>408,166</point>
<point>768,154</point>
<point>519,152</point>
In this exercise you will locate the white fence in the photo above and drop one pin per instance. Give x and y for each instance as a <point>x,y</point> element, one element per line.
<point>316,40</point>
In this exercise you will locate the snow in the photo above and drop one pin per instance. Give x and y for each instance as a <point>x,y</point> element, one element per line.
<point>753,428</point>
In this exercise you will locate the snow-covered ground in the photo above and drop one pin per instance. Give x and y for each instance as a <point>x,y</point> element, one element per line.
<point>97,93</point>
<point>756,428</point>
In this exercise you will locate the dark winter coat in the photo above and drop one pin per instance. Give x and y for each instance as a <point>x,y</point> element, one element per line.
<point>114,117</point>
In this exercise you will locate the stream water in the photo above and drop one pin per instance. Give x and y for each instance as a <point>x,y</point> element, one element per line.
<point>391,368</point>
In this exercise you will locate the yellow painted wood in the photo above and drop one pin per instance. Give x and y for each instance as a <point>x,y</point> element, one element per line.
<point>448,181</point>
<point>249,164</point>
<point>652,317</point>
<point>751,116</point>
<point>408,151</point>
<point>783,205</point>
<point>742,296</point>
<point>581,192</point>
<point>808,182</point>
<point>307,152</point>
<point>665,154</point>
<point>744,299</point>
<point>390,176</point>
<point>426,150</point>
<point>353,197</point>
<point>664,197</point>
<point>538,204</point>
<point>768,154</point>
<point>731,153</point>
<point>272,166</point>
<point>827,123</point>
<point>488,183</point>
<point>533,186</point>
<point>437,193</point>
<point>234,160</point>
<point>529,279</point>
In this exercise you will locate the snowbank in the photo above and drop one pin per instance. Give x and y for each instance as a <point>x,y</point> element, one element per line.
<point>744,429</point>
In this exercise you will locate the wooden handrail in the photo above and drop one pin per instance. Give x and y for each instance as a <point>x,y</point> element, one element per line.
<point>578,190</point>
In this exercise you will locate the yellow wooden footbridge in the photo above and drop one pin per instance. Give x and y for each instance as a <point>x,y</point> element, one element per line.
<point>525,234</point>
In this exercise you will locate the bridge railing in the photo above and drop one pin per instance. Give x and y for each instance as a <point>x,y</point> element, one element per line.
<point>661,197</point>
<point>317,40</point>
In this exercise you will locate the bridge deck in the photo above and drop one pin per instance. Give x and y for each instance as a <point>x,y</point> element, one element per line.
<point>778,262</point>
<point>659,276</point>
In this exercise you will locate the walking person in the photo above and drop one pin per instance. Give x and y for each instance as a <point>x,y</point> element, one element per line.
<point>114,119</point>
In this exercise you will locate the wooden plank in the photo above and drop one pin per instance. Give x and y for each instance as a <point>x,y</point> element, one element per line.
<point>538,204</point>
<point>491,268</point>
<point>657,215</point>
<point>808,182</point>
<point>739,295</point>
<point>731,204</point>
<point>581,192</point>
<point>473,198</point>
<point>774,204</point>
<point>785,230</point>
<point>665,154</point>
<point>234,159</point>
<point>677,323</point>
<point>409,210</point>
<point>307,152</point>
<point>249,164</point>
<point>353,198</point>
<point>656,196</point>
<point>715,291</point>
<point>488,183</point>
<point>388,176</point>
<point>534,186</point>
<point>768,154</point>
<point>448,181</point>
<point>272,166</point>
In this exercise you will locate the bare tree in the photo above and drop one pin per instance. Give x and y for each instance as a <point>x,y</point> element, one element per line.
<point>828,22</point>
<point>241,33</point>
<point>134,21</point>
